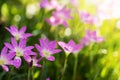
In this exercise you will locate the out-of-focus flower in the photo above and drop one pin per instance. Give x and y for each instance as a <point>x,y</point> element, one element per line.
<point>6,58</point>
<point>47,49</point>
<point>70,47</point>
<point>108,9</point>
<point>31,10</point>
<point>18,34</point>
<point>86,17</point>
<point>52,4</point>
<point>91,36</point>
<point>20,50</point>
<point>75,3</point>
<point>34,61</point>
<point>59,17</point>
<point>47,78</point>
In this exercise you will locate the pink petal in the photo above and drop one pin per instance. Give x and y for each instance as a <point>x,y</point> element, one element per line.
<point>71,43</point>
<point>27,58</point>
<point>23,29</point>
<point>38,47</point>
<point>51,58</point>
<point>11,55</point>
<point>37,65</point>
<point>27,35</point>
<point>13,28</point>
<point>22,43</point>
<point>5,68</point>
<point>4,51</point>
<point>14,42</point>
<point>8,45</point>
<point>17,62</point>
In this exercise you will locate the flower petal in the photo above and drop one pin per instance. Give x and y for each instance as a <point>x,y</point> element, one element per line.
<point>51,58</point>
<point>27,35</point>
<point>5,68</point>
<point>4,51</point>
<point>8,45</point>
<point>17,62</point>
<point>11,55</point>
<point>14,42</point>
<point>38,47</point>
<point>23,29</point>
<point>22,43</point>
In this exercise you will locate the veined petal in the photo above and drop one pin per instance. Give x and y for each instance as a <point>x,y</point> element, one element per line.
<point>14,42</point>
<point>71,43</point>
<point>4,51</point>
<point>8,45</point>
<point>27,35</point>
<point>42,42</point>
<point>37,65</point>
<point>56,51</point>
<point>5,68</point>
<point>38,47</point>
<point>51,58</point>
<point>27,58</point>
<point>22,43</point>
<point>17,62</point>
<point>23,29</point>
<point>52,44</point>
<point>11,55</point>
<point>13,28</point>
<point>29,48</point>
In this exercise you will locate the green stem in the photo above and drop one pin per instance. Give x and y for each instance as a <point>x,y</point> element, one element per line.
<point>9,75</point>
<point>44,71</point>
<point>32,71</point>
<point>64,68</point>
<point>75,67</point>
<point>29,73</point>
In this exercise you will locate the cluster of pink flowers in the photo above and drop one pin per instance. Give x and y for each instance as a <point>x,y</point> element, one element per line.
<point>12,52</point>
<point>60,15</point>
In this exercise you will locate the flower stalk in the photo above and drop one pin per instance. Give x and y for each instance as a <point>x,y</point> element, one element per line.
<point>65,66</point>
<point>75,66</point>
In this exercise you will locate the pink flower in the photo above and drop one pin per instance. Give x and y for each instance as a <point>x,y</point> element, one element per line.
<point>34,61</point>
<point>20,50</point>
<point>48,78</point>
<point>6,59</point>
<point>91,36</point>
<point>52,4</point>
<point>86,17</point>
<point>59,17</point>
<point>18,34</point>
<point>47,49</point>
<point>70,47</point>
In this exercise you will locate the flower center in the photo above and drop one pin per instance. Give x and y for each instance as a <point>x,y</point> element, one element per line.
<point>17,36</point>
<point>46,53</point>
<point>19,52</point>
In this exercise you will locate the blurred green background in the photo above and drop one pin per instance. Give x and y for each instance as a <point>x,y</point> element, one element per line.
<point>105,63</point>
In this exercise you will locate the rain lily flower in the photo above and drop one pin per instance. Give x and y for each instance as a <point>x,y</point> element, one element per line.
<point>70,47</point>
<point>59,17</point>
<point>49,5</point>
<point>34,61</point>
<point>18,34</point>
<point>91,36</point>
<point>6,58</point>
<point>86,17</point>
<point>47,49</point>
<point>20,50</point>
